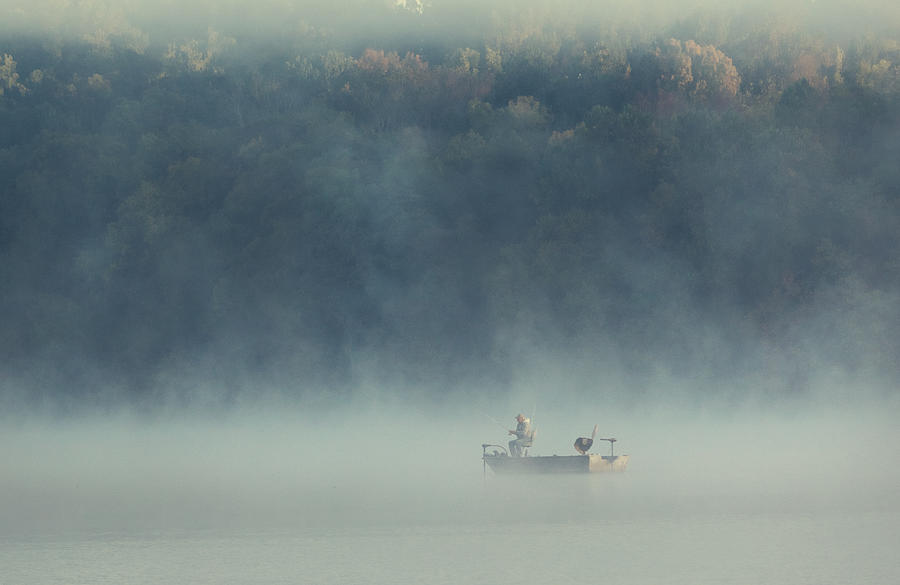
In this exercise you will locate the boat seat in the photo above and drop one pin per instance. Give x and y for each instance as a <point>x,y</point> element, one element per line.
<point>528,445</point>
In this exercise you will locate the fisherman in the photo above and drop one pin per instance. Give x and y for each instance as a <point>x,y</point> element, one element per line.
<point>524,436</point>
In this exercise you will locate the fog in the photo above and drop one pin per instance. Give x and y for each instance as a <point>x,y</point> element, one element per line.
<point>213,226</point>
<point>364,20</point>
<point>279,272</point>
<point>361,468</point>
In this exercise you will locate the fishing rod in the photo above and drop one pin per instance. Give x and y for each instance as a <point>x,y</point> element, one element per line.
<point>497,422</point>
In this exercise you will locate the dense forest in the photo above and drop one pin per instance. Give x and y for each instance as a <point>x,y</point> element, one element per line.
<point>443,202</point>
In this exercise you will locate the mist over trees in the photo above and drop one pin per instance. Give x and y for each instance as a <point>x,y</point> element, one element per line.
<point>431,202</point>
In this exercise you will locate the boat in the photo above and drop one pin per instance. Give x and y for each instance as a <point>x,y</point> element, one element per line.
<point>499,460</point>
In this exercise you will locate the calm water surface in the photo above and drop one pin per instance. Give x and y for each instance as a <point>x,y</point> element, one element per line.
<point>788,502</point>
<point>502,532</point>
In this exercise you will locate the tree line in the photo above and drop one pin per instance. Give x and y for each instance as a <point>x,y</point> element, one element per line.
<point>313,214</point>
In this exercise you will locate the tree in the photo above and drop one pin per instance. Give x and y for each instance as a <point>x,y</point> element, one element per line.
<point>9,78</point>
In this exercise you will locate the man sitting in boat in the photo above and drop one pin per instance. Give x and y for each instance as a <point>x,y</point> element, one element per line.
<point>524,436</point>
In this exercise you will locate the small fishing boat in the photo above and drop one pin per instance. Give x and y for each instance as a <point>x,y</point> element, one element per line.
<point>499,460</point>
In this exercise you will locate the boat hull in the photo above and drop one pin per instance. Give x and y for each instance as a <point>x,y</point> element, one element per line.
<point>557,463</point>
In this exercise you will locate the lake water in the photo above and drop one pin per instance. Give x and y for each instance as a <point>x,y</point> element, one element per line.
<point>768,548</point>
<point>551,532</point>
<point>261,505</point>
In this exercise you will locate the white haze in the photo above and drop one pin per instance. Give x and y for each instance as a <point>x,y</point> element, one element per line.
<point>267,469</point>
<point>363,18</point>
<point>393,480</point>
<point>381,493</point>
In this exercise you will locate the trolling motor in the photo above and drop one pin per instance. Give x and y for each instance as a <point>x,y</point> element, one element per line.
<point>500,451</point>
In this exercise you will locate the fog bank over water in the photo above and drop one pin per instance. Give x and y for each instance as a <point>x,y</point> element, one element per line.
<point>288,470</point>
<point>207,207</point>
<point>272,274</point>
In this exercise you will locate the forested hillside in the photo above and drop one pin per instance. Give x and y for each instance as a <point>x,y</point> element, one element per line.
<point>441,208</point>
